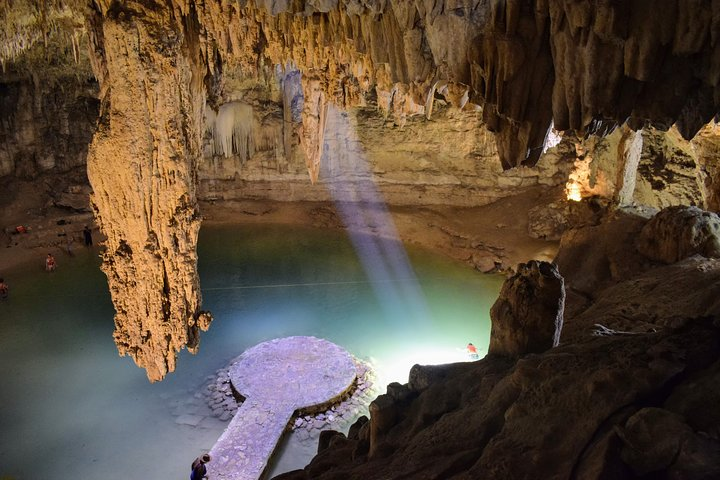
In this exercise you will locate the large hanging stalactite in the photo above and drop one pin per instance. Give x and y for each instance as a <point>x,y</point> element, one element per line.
<point>142,167</point>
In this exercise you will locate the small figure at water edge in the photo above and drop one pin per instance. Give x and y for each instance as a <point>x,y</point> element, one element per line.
<point>87,236</point>
<point>472,351</point>
<point>199,471</point>
<point>50,263</point>
<point>4,289</point>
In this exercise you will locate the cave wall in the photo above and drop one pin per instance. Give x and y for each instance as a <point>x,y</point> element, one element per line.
<point>450,160</point>
<point>707,145</point>
<point>666,169</point>
<point>45,127</point>
<point>641,62</point>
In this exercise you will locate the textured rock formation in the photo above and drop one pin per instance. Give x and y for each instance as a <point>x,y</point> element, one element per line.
<point>142,165</point>
<point>610,283</point>
<point>551,220</point>
<point>657,440</point>
<point>525,64</point>
<point>573,411</point>
<point>45,127</point>
<point>679,232</point>
<point>707,146</point>
<point>519,64</point>
<point>596,256</point>
<point>527,317</point>
<point>648,67</point>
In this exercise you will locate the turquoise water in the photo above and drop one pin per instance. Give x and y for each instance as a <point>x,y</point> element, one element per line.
<point>70,407</point>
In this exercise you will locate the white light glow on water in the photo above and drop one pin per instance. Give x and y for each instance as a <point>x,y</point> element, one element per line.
<point>347,175</point>
<point>79,407</point>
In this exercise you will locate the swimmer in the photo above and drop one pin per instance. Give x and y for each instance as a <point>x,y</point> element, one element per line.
<point>50,263</point>
<point>472,351</point>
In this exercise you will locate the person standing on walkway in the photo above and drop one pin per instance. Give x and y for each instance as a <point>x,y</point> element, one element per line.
<point>199,471</point>
<point>87,236</point>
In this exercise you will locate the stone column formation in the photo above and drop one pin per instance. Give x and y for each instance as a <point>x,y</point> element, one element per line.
<point>141,165</point>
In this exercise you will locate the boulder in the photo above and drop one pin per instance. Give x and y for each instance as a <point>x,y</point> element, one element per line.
<point>327,438</point>
<point>382,417</point>
<point>527,317</point>
<point>679,232</point>
<point>656,440</point>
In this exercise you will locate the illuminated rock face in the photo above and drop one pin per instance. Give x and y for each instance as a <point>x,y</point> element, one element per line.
<point>678,232</point>
<point>141,165</point>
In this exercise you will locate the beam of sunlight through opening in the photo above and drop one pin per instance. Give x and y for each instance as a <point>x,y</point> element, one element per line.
<point>346,173</point>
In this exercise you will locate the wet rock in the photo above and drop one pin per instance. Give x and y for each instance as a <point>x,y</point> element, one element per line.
<point>326,439</point>
<point>382,417</point>
<point>527,317</point>
<point>187,419</point>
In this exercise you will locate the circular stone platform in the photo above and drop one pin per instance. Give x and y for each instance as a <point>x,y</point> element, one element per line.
<point>276,378</point>
<point>300,371</point>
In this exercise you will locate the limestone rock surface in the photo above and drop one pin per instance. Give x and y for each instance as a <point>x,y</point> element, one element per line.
<point>596,256</point>
<point>679,232</point>
<point>142,167</point>
<point>527,317</point>
<point>46,127</point>
<point>566,409</point>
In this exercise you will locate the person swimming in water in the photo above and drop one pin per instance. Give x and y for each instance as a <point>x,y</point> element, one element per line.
<point>50,264</point>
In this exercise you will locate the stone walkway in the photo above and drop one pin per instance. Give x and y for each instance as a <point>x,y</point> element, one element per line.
<point>276,378</point>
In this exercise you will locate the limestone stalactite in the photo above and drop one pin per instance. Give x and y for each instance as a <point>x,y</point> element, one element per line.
<point>312,133</point>
<point>141,165</point>
<point>586,65</point>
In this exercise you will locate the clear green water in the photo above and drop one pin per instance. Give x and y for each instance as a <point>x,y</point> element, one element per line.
<point>71,408</point>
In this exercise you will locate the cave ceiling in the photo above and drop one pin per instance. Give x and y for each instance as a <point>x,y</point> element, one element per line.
<point>581,65</point>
